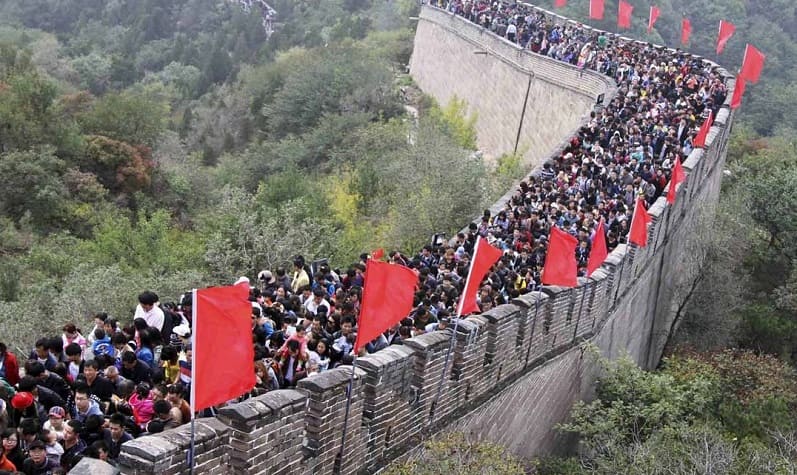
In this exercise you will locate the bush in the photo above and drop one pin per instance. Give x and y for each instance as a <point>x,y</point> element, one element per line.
<point>454,454</point>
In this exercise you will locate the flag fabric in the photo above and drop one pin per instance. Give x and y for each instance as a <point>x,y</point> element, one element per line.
<point>560,3</point>
<point>388,295</point>
<point>378,254</point>
<point>654,15</point>
<point>700,139</point>
<point>752,64</point>
<point>676,178</point>
<point>596,9</point>
<point>223,357</point>
<point>638,234</point>
<point>561,267</point>
<point>484,256</point>
<point>624,12</point>
<point>738,92</point>
<point>599,251</point>
<point>726,31</point>
<point>686,31</point>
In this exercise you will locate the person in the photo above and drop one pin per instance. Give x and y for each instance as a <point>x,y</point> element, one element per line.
<point>318,358</point>
<point>170,364</point>
<point>41,353</point>
<point>74,354</point>
<point>73,445</point>
<point>42,398</point>
<point>174,394</point>
<point>5,461</point>
<point>48,379</point>
<point>9,367</point>
<point>37,462</point>
<point>113,376</point>
<point>98,385</point>
<point>149,309</point>
<point>71,334</point>
<point>164,418</point>
<point>292,364</point>
<point>99,450</point>
<point>300,277</point>
<point>85,406</point>
<point>115,435</point>
<point>99,323</point>
<point>52,446</point>
<point>55,422</point>
<point>102,343</point>
<point>134,369</point>
<point>145,351</point>
<point>12,451</point>
<point>142,404</point>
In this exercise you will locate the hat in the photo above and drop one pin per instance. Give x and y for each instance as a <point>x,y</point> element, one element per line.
<point>37,444</point>
<point>22,400</point>
<point>267,276</point>
<point>57,411</point>
<point>241,280</point>
<point>182,331</point>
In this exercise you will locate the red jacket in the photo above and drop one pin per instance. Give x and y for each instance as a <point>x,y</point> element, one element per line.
<point>11,368</point>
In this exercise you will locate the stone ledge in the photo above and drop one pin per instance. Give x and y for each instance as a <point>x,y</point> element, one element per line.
<point>89,466</point>
<point>327,380</point>
<point>427,340</point>
<point>500,313</point>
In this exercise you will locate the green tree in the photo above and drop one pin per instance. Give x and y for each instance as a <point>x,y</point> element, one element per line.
<point>127,117</point>
<point>120,167</point>
<point>455,454</point>
<point>33,187</point>
<point>701,413</point>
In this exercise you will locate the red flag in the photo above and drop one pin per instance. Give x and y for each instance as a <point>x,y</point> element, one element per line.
<point>388,295</point>
<point>596,9</point>
<point>638,234</point>
<point>484,256</point>
<point>624,14</point>
<point>726,31</point>
<point>561,267</point>
<point>598,252</point>
<point>686,31</point>
<point>654,15</point>
<point>560,3</point>
<point>738,92</point>
<point>677,177</point>
<point>223,361</point>
<point>700,139</point>
<point>752,64</point>
<point>378,254</point>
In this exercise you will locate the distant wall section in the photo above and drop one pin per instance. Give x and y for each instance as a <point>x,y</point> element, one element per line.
<point>498,80</point>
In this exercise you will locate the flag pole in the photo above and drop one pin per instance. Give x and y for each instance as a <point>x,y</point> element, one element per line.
<point>191,458</point>
<point>536,313</point>
<point>339,465</point>
<point>453,336</point>
<point>581,308</point>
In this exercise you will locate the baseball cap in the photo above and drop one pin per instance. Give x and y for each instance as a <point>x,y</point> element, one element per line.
<point>22,400</point>
<point>57,411</point>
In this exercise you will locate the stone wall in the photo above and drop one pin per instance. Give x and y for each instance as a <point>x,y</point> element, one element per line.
<point>514,372</point>
<point>523,102</point>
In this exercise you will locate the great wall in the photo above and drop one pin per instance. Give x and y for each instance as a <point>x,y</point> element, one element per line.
<point>517,369</point>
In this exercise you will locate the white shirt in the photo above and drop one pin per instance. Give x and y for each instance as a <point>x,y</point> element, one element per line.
<point>311,306</point>
<point>154,317</point>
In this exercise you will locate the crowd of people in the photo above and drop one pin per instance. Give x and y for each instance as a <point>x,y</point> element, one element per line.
<point>84,394</point>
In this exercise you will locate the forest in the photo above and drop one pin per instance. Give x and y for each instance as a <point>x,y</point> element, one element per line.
<point>174,144</point>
